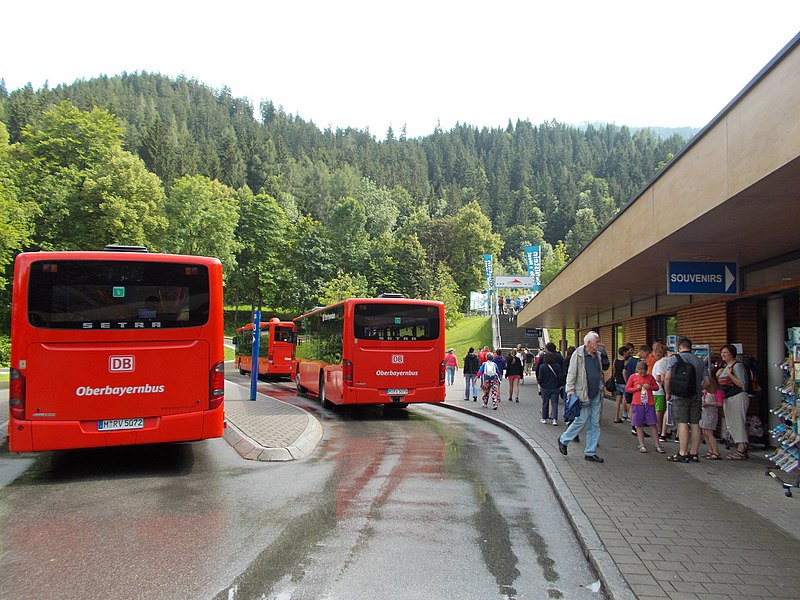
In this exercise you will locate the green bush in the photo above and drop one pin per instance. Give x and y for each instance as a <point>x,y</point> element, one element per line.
<point>5,351</point>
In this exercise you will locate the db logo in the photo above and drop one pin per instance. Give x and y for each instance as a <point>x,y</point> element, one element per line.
<point>397,359</point>
<point>117,364</point>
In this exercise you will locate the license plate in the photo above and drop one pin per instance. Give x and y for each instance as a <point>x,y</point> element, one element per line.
<point>111,424</point>
<point>397,391</point>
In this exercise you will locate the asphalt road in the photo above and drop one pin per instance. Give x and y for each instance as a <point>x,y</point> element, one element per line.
<point>423,504</point>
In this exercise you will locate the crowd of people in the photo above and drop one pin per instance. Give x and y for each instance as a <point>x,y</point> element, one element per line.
<point>511,306</point>
<point>665,393</point>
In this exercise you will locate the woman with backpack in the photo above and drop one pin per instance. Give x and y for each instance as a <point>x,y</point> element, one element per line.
<point>490,381</point>
<point>733,381</point>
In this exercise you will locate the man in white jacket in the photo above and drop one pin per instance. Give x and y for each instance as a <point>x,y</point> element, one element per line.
<point>585,380</point>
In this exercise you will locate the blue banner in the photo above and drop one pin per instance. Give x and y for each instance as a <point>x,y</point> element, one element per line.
<point>533,257</point>
<point>489,270</point>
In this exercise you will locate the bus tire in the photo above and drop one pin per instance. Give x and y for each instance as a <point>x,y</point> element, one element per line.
<point>241,370</point>
<point>322,397</point>
<point>300,388</point>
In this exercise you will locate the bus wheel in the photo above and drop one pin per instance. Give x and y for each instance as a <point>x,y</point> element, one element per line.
<point>300,388</point>
<point>241,370</point>
<point>322,398</point>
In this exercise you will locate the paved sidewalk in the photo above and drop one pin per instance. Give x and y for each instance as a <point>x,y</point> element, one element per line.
<point>714,530</point>
<point>267,429</point>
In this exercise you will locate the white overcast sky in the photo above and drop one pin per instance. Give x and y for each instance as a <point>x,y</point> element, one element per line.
<point>385,62</point>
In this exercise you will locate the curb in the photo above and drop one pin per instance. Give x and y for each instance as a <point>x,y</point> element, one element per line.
<point>611,577</point>
<point>251,450</point>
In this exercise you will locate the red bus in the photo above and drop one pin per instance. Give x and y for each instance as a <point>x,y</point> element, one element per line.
<point>275,352</point>
<point>372,351</point>
<point>115,348</point>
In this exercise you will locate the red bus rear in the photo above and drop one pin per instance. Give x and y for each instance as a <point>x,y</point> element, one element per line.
<point>275,353</point>
<point>115,348</point>
<point>372,351</point>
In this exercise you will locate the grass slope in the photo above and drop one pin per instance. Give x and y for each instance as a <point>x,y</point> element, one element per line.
<point>474,331</point>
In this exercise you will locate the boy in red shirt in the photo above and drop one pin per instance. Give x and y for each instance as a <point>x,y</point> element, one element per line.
<point>643,406</point>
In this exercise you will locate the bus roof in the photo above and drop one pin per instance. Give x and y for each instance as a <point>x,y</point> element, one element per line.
<point>29,257</point>
<point>379,300</point>
<point>266,324</point>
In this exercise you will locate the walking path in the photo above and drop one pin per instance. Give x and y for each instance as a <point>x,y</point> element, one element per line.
<point>714,530</point>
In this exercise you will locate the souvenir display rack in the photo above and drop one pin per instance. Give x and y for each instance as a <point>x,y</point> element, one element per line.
<point>786,456</point>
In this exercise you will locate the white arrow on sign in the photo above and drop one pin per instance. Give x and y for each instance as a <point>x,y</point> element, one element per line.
<point>730,278</point>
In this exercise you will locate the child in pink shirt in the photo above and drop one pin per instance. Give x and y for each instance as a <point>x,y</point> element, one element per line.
<point>643,407</point>
<point>713,398</point>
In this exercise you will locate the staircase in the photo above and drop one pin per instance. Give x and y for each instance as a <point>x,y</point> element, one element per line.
<point>510,335</point>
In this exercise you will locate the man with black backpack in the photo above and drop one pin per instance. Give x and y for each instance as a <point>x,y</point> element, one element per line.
<point>683,384</point>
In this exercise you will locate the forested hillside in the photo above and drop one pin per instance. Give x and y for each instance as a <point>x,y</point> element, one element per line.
<point>299,215</point>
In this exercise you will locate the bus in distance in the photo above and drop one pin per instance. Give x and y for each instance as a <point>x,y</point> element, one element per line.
<point>276,349</point>
<point>115,348</point>
<point>386,351</point>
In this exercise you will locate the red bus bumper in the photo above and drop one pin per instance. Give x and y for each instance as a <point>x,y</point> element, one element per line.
<point>37,436</point>
<point>372,396</point>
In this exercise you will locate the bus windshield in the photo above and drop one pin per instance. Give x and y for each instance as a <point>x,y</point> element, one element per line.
<point>396,322</point>
<point>86,294</point>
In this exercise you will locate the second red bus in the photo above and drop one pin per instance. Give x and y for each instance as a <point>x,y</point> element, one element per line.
<point>372,351</point>
<point>275,352</point>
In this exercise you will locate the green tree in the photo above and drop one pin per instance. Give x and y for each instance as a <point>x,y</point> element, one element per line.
<point>15,216</point>
<point>307,259</point>
<point>442,286</point>
<point>203,215</point>
<point>121,203</point>
<point>89,190</point>
<point>68,137</point>
<point>380,208</point>
<point>348,237</point>
<point>262,231</point>
<point>582,231</point>
<point>343,286</point>
<point>553,260</point>
<point>468,238</point>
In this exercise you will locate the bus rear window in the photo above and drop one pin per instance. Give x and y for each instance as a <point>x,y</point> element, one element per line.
<point>398,322</point>
<point>284,334</point>
<point>87,294</point>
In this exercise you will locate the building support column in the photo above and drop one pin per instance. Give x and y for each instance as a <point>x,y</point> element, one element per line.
<point>776,353</point>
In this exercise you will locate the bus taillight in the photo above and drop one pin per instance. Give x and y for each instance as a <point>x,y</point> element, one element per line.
<point>217,387</point>
<point>16,394</point>
<point>441,372</point>
<point>347,372</point>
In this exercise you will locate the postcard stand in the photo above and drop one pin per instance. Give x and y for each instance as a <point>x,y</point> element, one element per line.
<point>787,456</point>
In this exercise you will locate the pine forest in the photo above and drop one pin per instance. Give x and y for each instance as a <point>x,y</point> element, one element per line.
<point>302,216</point>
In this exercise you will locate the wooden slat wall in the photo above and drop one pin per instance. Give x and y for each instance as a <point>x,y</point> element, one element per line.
<point>705,325</point>
<point>635,332</point>
<point>743,325</point>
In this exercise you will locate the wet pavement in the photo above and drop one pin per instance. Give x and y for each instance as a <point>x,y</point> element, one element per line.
<point>714,530</point>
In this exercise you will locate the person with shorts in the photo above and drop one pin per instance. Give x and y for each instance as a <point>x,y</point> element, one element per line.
<point>713,399</point>
<point>641,386</point>
<point>620,403</point>
<point>686,410</point>
<point>657,371</point>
